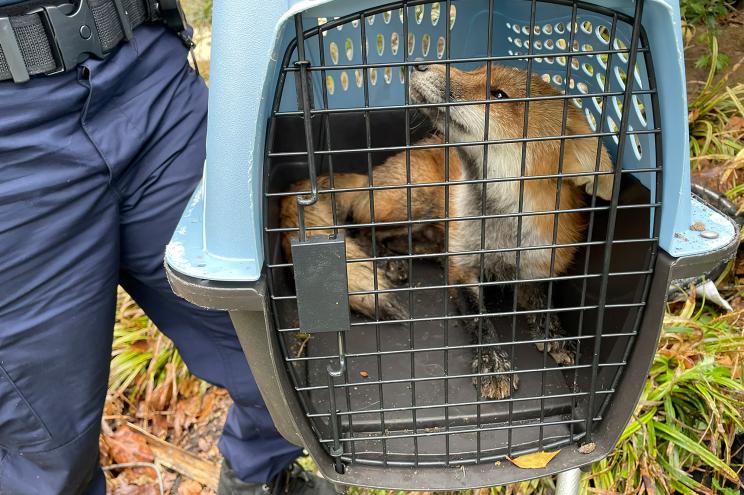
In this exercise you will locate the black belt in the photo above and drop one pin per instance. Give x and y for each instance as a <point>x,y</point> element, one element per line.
<point>41,39</point>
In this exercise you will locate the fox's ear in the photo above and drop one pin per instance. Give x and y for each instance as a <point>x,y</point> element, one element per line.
<point>581,158</point>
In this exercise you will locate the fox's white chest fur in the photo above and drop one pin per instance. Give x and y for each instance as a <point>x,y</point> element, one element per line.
<point>501,201</point>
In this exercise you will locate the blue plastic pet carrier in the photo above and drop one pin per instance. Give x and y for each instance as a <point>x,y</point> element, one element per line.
<point>408,351</point>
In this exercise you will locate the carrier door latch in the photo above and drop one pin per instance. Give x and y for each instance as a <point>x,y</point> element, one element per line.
<point>323,306</point>
<point>319,261</point>
<point>321,283</point>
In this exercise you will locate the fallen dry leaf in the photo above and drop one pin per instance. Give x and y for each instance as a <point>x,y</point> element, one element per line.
<point>159,425</point>
<point>189,387</point>
<point>140,346</point>
<point>190,487</point>
<point>735,123</point>
<point>719,178</point>
<point>163,393</point>
<point>536,460</point>
<point>185,415</point>
<point>127,489</point>
<point>203,444</point>
<point>126,446</point>
<point>207,404</point>
<point>727,361</point>
<point>169,479</point>
<point>140,476</point>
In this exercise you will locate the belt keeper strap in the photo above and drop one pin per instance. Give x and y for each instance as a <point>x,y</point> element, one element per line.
<point>12,52</point>
<point>126,24</point>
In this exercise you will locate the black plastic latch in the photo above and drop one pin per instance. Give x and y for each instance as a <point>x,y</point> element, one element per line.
<point>172,14</point>
<point>12,52</point>
<point>321,283</point>
<point>73,32</point>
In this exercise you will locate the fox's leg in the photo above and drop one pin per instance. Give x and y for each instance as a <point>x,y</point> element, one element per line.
<point>393,241</point>
<point>359,274</point>
<point>361,279</point>
<point>490,359</point>
<point>532,296</point>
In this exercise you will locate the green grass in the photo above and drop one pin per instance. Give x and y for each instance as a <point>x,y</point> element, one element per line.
<point>707,12</point>
<point>680,439</point>
<point>142,358</point>
<point>711,110</point>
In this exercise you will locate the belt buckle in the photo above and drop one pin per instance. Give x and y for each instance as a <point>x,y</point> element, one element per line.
<point>74,33</point>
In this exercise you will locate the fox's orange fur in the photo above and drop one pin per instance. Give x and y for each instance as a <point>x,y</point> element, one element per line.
<point>466,123</point>
<point>390,205</point>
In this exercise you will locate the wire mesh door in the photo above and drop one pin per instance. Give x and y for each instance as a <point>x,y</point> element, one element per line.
<point>493,173</point>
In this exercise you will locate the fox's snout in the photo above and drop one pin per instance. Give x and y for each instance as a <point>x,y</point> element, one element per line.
<point>427,85</point>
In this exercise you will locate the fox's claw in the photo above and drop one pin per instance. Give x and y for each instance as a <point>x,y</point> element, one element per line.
<point>561,351</point>
<point>494,386</point>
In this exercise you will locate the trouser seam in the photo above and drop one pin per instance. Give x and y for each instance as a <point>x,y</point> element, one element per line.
<point>110,182</point>
<point>109,169</point>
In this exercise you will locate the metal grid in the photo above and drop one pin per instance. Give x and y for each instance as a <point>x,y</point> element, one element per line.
<point>394,391</point>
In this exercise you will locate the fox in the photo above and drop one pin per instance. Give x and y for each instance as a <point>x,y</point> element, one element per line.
<point>510,241</point>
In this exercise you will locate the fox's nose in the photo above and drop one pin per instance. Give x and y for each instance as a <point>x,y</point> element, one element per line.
<point>421,67</point>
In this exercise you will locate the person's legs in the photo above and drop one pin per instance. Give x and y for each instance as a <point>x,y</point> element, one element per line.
<point>58,275</point>
<point>119,140</point>
<point>154,189</point>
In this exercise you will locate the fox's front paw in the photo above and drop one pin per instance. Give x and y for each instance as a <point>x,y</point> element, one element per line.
<point>494,386</point>
<point>396,271</point>
<point>561,351</point>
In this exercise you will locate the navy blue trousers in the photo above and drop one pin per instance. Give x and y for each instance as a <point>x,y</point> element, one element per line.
<point>95,168</point>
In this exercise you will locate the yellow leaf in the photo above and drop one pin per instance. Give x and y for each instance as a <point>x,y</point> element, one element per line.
<point>537,460</point>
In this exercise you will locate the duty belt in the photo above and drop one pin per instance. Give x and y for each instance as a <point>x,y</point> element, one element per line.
<point>41,39</point>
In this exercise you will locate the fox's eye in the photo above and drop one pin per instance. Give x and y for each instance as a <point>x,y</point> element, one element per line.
<point>499,94</point>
